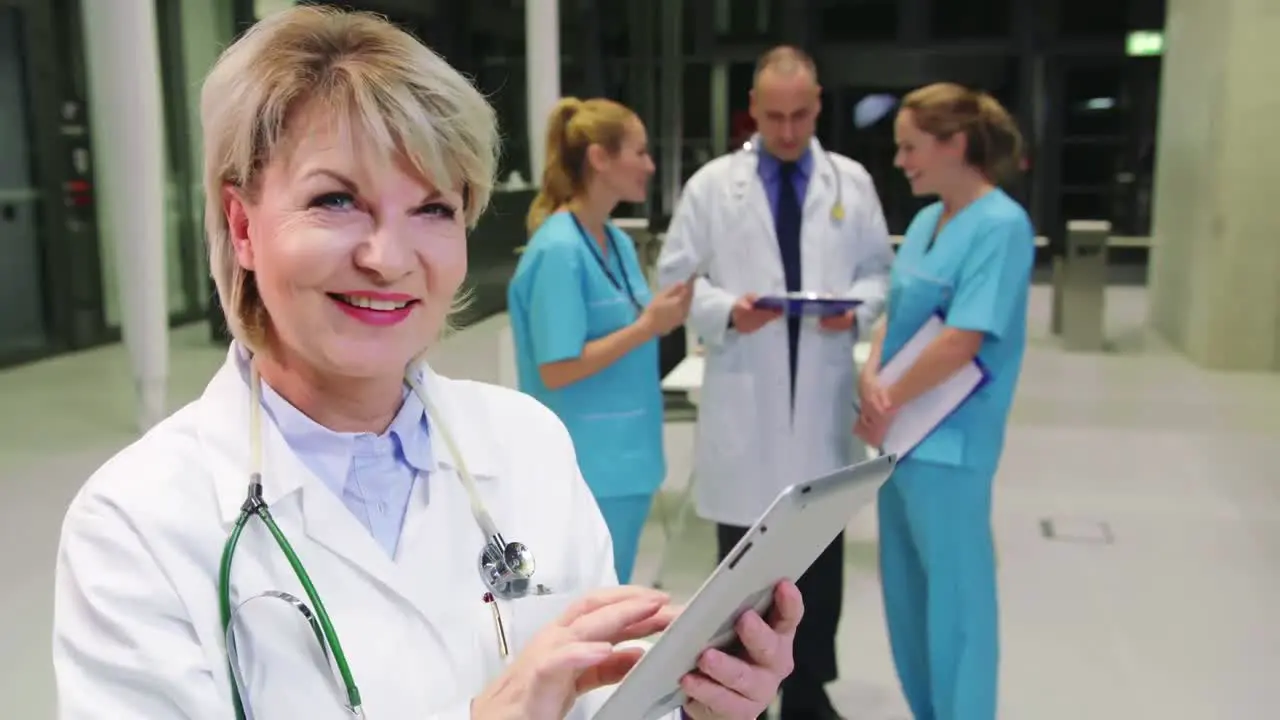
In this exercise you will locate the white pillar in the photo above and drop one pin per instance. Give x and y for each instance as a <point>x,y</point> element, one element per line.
<point>123,63</point>
<point>542,73</point>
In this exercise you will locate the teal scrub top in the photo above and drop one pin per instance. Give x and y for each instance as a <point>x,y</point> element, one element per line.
<point>977,276</point>
<point>561,298</point>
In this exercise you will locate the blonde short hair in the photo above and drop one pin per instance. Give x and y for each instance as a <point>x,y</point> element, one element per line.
<point>398,95</point>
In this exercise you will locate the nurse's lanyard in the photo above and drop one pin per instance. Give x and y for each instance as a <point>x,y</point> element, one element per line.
<point>506,568</point>
<point>613,248</point>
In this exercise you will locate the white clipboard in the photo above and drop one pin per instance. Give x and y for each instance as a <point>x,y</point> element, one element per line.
<point>918,418</point>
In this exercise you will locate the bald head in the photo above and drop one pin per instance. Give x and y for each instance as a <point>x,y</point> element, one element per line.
<point>785,101</point>
<point>785,61</point>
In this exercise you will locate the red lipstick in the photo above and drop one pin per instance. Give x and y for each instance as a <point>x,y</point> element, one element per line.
<point>379,309</point>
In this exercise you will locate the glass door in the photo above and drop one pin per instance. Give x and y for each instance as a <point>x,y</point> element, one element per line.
<point>50,280</point>
<point>24,323</point>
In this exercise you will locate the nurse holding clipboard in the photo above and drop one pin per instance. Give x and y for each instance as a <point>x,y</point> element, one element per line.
<point>966,259</point>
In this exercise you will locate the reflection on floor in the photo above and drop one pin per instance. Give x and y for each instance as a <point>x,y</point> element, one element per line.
<point>1138,518</point>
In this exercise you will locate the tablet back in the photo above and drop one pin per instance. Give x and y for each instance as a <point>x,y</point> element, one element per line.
<point>799,524</point>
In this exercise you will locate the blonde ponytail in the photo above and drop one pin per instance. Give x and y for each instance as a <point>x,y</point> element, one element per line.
<point>559,180</point>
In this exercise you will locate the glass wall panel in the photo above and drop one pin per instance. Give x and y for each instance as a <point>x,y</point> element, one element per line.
<point>22,271</point>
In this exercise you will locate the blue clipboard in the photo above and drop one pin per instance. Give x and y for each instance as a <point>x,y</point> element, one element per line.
<point>807,303</point>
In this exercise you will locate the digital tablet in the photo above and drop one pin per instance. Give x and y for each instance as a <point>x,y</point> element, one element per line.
<point>799,524</point>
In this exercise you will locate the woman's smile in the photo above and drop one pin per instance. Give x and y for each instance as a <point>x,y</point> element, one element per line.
<point>375,308</point>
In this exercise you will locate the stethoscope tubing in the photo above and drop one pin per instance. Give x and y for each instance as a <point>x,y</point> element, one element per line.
<point>318,617</point>
<point>255,506</point>
<point>326,634</point>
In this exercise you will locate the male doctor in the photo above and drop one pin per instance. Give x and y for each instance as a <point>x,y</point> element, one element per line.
<point>781,214</point>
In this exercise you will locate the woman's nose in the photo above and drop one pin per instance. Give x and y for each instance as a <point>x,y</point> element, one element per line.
<point>386,253</point>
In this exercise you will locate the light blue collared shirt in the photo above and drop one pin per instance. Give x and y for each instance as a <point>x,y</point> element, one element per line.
<point>770,170</point>
<point>373,474</point>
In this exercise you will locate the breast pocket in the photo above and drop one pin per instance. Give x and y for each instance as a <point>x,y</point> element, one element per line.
<point>519,621</point>
<point>841,253</point>
<point>915,294</point>
<point>607,312</point>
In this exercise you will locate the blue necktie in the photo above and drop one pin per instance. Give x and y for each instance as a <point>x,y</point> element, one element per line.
<point>787,225</point>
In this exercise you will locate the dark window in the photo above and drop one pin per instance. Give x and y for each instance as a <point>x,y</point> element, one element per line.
<point>1094,18</point>
<point>970,19</point>
<point>1093,101</point>
<point>858,20</point>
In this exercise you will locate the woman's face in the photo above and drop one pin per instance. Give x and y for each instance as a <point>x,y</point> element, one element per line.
<point>928,163</point>
<point>356,259</point>
<point>627,173</point>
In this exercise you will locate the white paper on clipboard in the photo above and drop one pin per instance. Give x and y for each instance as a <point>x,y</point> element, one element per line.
<point>919,417</point>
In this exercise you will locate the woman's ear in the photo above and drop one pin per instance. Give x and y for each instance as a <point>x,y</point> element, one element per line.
<point>236,210</point>
<point>957,145</point>
<point>597,157</point>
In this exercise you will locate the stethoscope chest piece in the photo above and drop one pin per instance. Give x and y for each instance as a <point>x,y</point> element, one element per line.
<point>506,568</point>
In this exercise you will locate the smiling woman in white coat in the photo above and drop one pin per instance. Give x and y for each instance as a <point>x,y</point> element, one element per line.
<point>344,164</point>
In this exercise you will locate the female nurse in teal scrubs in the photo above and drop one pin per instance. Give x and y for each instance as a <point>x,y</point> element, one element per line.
<point>968,258</point>
<point>584,321</point>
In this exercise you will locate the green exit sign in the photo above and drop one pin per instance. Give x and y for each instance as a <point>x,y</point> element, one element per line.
<point>1145,43</point>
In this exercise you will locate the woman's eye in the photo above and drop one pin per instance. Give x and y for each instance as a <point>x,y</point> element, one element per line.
<point>334,201</point>
<point>440,210</point>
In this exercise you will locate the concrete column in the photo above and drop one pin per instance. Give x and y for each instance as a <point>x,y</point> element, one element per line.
<point>122,58</point>
<point>542,75</point>
<point>1215,266</point>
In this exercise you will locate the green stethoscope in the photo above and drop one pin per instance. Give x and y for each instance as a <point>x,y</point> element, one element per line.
<point>506,568</point>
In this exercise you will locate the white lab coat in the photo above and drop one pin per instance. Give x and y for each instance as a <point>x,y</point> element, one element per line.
<point>136,620</point>
<point>750,445</point>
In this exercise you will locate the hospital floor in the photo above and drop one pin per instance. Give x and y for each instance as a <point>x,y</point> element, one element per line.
<point>1137,517</point>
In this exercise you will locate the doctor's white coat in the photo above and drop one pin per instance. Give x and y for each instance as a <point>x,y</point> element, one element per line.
<point>136,618</point>
<point>751,441</point>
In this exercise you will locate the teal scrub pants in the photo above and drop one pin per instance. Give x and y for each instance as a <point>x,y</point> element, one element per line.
<point>938,573</point>
<point>625,515</point>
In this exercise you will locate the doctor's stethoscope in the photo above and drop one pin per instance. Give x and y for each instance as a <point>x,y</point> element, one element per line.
<point>837,207</point>
<point>505,567</point>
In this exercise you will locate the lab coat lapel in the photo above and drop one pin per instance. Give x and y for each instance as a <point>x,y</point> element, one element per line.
<point>299,502</point>
<point>439,547</point>
<point>818,200</point>
<point>821,191</point>
<point>441,541</point>
<point>331,526</point>
<point>749,196</point>
<point>328,523</point>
